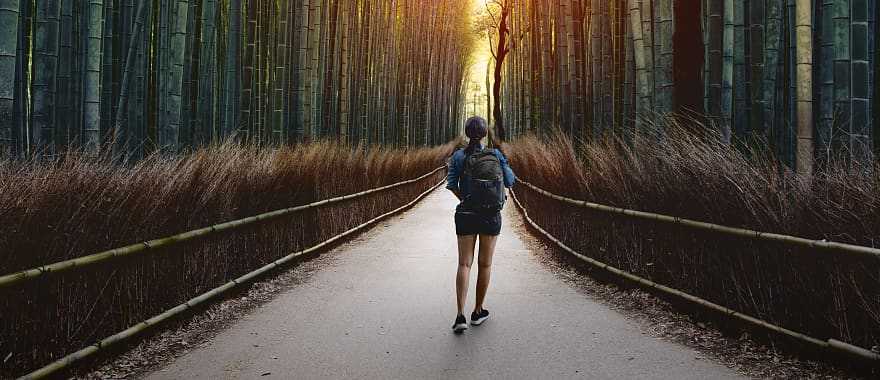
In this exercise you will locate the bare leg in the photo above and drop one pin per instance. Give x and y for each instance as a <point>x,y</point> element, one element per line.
<point>465,259</point>
<point>484,263</point>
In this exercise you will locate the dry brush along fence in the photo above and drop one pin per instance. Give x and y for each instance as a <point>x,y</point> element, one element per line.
<point>820,292</point>
<point>76,207</point>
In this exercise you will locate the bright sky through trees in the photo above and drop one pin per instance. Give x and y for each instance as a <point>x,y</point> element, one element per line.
<point>482,57</point>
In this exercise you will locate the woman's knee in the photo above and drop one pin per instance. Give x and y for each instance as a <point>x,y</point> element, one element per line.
<point>484,265</point>
<point>465,264</point>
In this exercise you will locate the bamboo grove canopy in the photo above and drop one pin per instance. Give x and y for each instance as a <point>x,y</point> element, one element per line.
<point>185,73</point>
<point>781,72</point>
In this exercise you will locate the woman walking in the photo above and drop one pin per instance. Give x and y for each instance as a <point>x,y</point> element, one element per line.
<point>478,177</point>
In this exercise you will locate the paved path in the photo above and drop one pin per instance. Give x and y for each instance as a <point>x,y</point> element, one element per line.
<point>384,307</point>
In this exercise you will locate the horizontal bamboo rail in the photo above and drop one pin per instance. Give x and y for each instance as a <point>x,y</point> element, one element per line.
<point>132,331</point>
<point>830,344</point>
<point>155,244</point>
<point>733,231</point>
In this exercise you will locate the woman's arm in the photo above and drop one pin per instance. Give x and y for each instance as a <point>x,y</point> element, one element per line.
<point>453,174</point>
<point>509,177</point>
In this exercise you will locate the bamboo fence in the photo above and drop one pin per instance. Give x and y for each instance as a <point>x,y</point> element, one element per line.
<point>155,244</point>
<point>133,331</point>
<point>733,231</point>
<point>828,345</point>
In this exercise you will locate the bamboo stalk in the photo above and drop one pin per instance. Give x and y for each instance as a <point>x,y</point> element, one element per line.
<point>860,120</point>
<point>717,58</point>
<point>169,141</point>
<point>152,245</point>
<point>842,61</point>
<point>45,70</point>
<point>607,79</point>
<point>727,70</point>
<point>756,47</point>
<point>9,21</point>
<point>21,98</point>
<point>629,82</point>
<point>232,83</point>
<point>825,68</point>
<point>740,93</point>
<point>108,82</point>
<point>345,71</point>
<point>207,86</point>
<point>64,119</point>
<point>804,31</point>
<point>122,108</point>
<point>92,83</point>
<point>772,42</point>
<point>649,53</point>
<point>643,83</point>
<point>665,79</point>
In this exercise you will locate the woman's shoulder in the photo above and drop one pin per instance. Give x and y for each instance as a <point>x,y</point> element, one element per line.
<point>457,157</point>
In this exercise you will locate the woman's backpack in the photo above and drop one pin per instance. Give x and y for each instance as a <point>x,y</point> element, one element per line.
<point>482,170</point>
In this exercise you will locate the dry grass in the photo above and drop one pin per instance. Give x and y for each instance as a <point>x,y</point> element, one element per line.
<point>78,205</point>
<point>696,176</point>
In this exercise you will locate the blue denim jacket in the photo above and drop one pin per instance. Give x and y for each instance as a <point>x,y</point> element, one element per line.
<point>456,168</point>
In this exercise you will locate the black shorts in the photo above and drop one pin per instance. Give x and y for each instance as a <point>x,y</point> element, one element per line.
<point>472,223</point>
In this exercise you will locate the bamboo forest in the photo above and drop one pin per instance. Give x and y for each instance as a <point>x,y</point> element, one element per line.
<point>675,189</point>
<point>186,73</point>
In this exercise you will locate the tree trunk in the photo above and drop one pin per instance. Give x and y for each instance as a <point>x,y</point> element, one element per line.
<point>501,54</point>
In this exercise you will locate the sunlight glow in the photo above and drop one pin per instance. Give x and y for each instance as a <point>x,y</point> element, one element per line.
<point>482,57</point>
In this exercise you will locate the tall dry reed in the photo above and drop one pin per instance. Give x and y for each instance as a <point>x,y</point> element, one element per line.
<point>77,205</point>
<point>679,172</point>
